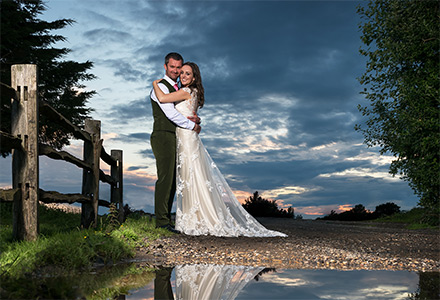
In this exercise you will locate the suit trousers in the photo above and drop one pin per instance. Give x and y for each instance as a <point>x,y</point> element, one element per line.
<point>163,144</point>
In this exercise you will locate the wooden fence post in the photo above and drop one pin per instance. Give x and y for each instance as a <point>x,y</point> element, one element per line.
<point>116,191</point>
<point>24,124</point>
<point>90,186</point>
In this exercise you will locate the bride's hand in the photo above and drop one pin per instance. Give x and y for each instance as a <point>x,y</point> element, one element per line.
<point>156,81</point>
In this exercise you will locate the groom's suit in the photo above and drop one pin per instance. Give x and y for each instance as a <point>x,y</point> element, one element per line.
<point>163,144</point>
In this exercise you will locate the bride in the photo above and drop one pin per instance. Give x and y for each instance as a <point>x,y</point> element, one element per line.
<point>205,202</point>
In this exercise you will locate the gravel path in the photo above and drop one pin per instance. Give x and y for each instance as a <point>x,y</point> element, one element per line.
<point>311,244</point>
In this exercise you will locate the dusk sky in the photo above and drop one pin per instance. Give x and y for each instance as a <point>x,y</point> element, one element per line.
<point>281,94</point>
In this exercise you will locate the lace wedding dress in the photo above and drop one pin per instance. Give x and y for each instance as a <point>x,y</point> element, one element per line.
<point>212,282</point>
<point>205,202</point>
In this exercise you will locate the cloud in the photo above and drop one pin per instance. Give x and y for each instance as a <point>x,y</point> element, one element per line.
<point>126,112</point>
<point>361,172</point>
<point>332,284</point>
<point>105,35</point>
<point>125,70</point>
<point>139,184</point>
<point>280,86</point>
<point>136,168</point>
<point>288,190</point>
<point>371,157</point>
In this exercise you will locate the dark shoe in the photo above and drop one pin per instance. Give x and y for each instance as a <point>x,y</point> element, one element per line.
<point>170,229</point>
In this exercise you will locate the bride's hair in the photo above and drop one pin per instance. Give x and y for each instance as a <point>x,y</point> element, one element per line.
<point>197,83</point>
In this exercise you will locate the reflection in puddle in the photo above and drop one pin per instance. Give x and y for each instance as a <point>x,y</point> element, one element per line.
<point>331,284</point>
<point>212,281</point>
<point>239,282</point>
<point>205,282</point>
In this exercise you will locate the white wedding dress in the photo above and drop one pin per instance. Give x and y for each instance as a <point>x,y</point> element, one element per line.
<point>205,202</point>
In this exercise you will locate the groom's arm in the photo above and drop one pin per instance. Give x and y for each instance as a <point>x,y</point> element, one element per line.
<point>171,112</point>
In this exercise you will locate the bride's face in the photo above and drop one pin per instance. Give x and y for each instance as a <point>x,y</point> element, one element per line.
<point>186,75</point>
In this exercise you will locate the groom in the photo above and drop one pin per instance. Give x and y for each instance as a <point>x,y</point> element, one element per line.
<point>163,141</point>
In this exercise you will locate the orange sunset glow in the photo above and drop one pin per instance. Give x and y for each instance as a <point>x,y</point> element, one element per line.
<point>242,196</point>
<point>322,210</point>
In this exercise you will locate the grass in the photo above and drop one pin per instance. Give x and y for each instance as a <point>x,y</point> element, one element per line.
<point>59,264</point>
<point>416,218</point>
<point>62,245</point>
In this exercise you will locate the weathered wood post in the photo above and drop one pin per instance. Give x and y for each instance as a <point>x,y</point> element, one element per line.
<point>116,190</point>
<point>24,124</point>
<point>90,186</point>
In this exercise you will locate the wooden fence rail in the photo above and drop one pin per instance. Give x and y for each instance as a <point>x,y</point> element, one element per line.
<point>25,193</point>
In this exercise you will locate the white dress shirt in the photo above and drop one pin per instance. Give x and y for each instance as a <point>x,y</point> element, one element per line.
<point>168,108</point>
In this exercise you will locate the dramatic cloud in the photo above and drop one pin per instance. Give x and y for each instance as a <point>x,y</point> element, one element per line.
<point>281,95</point>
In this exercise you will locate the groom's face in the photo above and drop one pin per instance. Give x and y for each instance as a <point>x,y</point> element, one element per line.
<point>172,68</point>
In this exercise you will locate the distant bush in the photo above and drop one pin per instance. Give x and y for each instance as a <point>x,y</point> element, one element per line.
<point>259,207</point>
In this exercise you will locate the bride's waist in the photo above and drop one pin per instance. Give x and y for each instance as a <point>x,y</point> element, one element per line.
<point>184,130</point>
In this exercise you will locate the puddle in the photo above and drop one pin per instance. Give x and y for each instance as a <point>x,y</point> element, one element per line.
<point>206,282</point>
<point>238,282</point>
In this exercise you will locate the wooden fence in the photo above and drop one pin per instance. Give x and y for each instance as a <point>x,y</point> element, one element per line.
<point>25,193</point>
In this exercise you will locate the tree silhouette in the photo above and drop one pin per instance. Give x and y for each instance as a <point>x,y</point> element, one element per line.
<point>25,39</point>
<point>259,207</point>
<point>357,213</point>
<point>386,209</point>
<point>360,213</point>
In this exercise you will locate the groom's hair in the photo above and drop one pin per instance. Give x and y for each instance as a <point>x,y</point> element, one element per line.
<point>173,55</point>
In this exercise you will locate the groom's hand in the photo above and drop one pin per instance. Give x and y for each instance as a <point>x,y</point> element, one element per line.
<point>197,128</point>
<point>195,118</point>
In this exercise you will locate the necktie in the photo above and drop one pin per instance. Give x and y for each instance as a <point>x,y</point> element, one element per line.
<point>176,87</point>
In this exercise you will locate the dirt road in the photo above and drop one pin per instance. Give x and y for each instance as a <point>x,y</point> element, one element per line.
<point>310,244</point>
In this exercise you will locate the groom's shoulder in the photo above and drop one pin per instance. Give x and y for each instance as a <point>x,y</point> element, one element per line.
<point>166,85</point>
<point>164,82</point>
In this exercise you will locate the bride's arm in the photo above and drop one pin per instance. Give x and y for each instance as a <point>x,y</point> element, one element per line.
<point>171,97</point>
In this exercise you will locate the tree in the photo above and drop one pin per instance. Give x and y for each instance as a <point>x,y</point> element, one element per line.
<point>386,209</point>
<point>428,287</point>
<point>401,83</point>
<point>359,209</point>
<point>25,39</point>
<point>259,207</point>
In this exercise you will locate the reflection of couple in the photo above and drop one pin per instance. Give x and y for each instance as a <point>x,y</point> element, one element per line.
<point>205,202</point>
